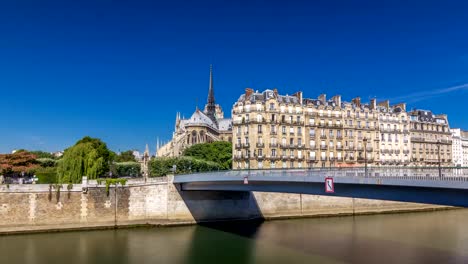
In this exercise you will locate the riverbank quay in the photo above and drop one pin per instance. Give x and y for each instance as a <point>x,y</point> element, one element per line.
<point>30,208</point>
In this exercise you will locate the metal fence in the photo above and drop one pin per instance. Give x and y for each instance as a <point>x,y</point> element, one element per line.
<point>410,173</point>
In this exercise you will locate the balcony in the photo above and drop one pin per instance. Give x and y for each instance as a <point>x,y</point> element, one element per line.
<point>284,157</point>
<point>260,145</point>
<point>292,146</point>
<point>323,147</point>
<point>238,146</point>
<point>273,133</point>
<point>260,157</point>
<point>300,146</point>
<point>300,158</point>
<point>245,145</point>
<point>339,147</point>
<point>284,146</point>
<point>323,158</point>
<point>339,137</point>
<point>339,159</point>
<point>273,145</point>
<point>312,159</point>
<point>323,137</point>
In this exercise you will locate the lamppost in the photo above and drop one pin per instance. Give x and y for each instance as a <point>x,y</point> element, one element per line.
<point>438,156</point>
<point>365,156</point>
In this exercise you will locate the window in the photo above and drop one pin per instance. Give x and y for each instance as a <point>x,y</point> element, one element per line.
<point>259,129</point>
<point>312,132</point>
<point>272,106</point>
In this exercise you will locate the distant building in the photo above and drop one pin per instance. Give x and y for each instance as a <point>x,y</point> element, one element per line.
<point>457,151</point>
<point>464,143</point>
<point>208,125</point>
<point>137,155</point>
<point>431,139</point>
<point>57,154</point>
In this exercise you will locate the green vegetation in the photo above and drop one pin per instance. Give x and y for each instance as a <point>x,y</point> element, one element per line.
<point>110,182</point>
<point>126,156</point>
<point>163,166</point>
<point>88,157</point>
<point>219,152</point>
<point>126,169</point>
<point>46,175</point>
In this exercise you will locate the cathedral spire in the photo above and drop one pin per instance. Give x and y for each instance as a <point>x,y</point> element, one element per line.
<point>211,105</point>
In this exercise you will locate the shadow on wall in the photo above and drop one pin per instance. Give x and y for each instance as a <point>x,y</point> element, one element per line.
<point>212,206</point>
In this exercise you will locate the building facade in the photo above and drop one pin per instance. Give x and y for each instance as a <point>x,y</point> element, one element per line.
<point>204,126</point>
<point>288,131</point>
<point>395,145</point>
<point>431,140</point>
<point>464,144</point>
<point>457,150</point>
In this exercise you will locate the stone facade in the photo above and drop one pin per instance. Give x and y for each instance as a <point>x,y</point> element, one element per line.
<point>289,131</point>
<point>395,145</point>
<point>464,143</point>
<point>457,150</point>
<point>283,131</point>
<point>431,139</point>
<point>203,126</point>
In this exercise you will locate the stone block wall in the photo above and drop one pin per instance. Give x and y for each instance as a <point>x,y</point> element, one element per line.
<point>25,208</point>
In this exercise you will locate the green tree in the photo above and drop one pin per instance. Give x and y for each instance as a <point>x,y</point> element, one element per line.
<point>219,152</point>
<point>126,156</point>
<point>88,157</point>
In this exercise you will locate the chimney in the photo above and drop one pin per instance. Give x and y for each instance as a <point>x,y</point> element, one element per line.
<point>337,100</point>
<point>401,105</point>
<point>299,96</point>
<point>373,104</point>
<point>385,104</point>
<point>275,91</point>
<point>357,101</point>
<point>248,92</point>
<point>323,98</point>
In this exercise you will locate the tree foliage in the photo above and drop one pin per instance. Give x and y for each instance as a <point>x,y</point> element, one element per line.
<point>219,152</point>
<point>122,169</point>
<point>163,166</point>
<point>88,157</point>
<point>126,156</point>
<point>18,162</point>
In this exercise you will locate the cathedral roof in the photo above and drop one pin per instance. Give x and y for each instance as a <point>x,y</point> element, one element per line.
<point>225,124</point>
<point>200,118</point>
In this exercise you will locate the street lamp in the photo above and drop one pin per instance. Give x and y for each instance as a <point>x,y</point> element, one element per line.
<point>365,156</point>
<point>438,155</point>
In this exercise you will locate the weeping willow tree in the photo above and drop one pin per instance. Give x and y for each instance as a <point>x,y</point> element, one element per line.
<point>83,159</point>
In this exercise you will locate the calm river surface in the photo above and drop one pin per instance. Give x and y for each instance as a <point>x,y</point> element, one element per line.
<point>433,237</point>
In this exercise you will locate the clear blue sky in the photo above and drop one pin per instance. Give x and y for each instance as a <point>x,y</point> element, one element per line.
<point>120,70</point>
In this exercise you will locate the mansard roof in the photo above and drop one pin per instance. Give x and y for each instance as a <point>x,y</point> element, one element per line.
<point>266,95</point>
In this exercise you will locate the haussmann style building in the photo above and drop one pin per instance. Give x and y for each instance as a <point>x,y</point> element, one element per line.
<point>271,130</point>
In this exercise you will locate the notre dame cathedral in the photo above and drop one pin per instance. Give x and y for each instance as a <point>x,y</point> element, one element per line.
<point>203,126</point>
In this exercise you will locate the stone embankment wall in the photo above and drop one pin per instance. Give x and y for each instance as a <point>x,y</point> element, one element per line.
<point>32,208</point>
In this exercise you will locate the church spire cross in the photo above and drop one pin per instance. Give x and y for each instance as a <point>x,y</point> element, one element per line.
<point>211,98</point>
<point>211,105</point>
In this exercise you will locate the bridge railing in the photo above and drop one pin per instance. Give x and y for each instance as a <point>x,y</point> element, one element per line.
<point>410,173</point>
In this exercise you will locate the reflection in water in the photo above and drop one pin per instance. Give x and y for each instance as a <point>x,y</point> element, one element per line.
<point>435,237</point>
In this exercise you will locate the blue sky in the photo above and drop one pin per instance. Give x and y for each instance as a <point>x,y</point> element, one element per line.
<point>120,70</point>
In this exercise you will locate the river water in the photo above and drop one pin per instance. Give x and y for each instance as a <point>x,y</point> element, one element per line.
<point>432,237</point>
